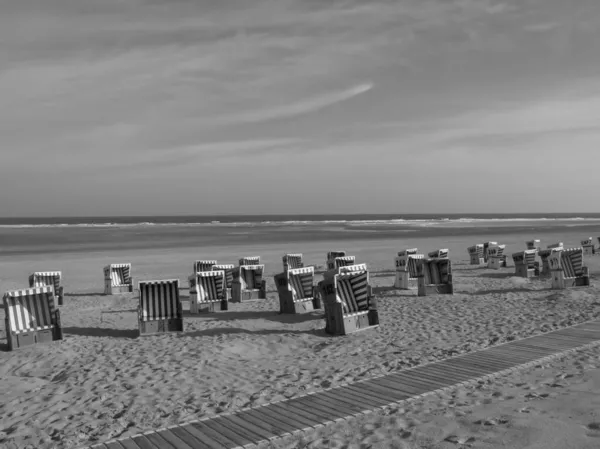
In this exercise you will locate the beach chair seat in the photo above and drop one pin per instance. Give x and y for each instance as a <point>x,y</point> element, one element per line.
<point>438,254</point>
<point>544,254</point>
<point>525,264</point>
<point>297,292</point>
<point>117,278</point>
<point>291,261</point>
<point>348,301</point>
<point>588,247</point>
<point>199,266</point>
<point>48,279</point>
<point>210,294</point>
<point>31,317</point>
<point>533,244</point>
<point>407,271</point>
<point>159,309</point>
<point>248,283</point>
<point>434,277</point>
<point>496,256</point>
<point>228,269</point>
<point>249,260</point>
<point>476,254</point>
<point>340,261</point>
<point>567,269</point>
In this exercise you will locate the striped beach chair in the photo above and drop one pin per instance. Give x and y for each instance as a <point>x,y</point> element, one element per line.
<point>525,264</point>
<point>228,269</point>
<point>117,278</point>
<point>248,283</point>
<point>291,261</point>
<point>331,255</point>
<point>588,247</point>
<point>533,244</point>
<point>297,292</point>
<point>48,279</point>
<point>567,269</point>
<point>159,310</point>
<point>476,254</point>
<point>496,256</point>
<point>438,254</point>
<point>434,277</point>
<point>544,254</point>
<point>486,245</point>
<point>347,300</point>
<point>31,317</point>
<point>249,260</point>
<point>210,295</point>
<point>407,271</point>
<point>340,261</point>
<point>199,265</point>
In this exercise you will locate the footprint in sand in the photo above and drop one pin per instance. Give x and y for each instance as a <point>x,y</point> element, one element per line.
<point>463,441</point>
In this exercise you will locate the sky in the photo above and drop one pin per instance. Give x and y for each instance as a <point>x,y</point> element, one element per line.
<point>159,107</point>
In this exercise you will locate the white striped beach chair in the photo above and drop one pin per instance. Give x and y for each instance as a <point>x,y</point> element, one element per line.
<point>435,277</point>
<point>248,283</point>
<point>297,292</point>
<point>496,256</point>
<point>567,269</point>
<point>544,254</point>
<point>199,266</point>
<point>249,260</point>
<point>533,244</point>
<point>48,279</point>
<point>588,247</point>
<point>160,308</point>
<point>476,254</point>
<point>31,317</point>
<point>525,264</point>
<point>291,261</point>
<point>211,294</point>
<point>228,269</point>
<point>331,255</point>
<point>348,301</point>
<point>407,271</point>
<point>117,278</point>
<point>340,261</point>
<point>438,254</point>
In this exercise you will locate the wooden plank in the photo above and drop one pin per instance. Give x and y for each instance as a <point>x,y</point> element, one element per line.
<point>533,352</point>
<point>576,340</point>
<point>398,383</point>
<point>334,404</point>
<point>113,445</point>
<point>128,443</point>
<point>256,433</point>
<point>287,423</point>
<point>143,442</point>
<point>475,370</point>
<point>157,441</point>
<point>433,382</point>
<point>394,395</point>
<point>508,360</point>
<point>440,372</point>
<point>366,400</point>
<point>340,401</point>
<point>366,388</point>
<point>306,411</point>
<point>224,433</point>
<point>300,421</point>
<point>202,436</point>
<point>310,403</point>
<point>547,340</point>
<point>172,440</point>
<point>592,335</point>
<point>546,344</point>
<point>274,425</point>
<point>472,362</point>
<point>190,440</point>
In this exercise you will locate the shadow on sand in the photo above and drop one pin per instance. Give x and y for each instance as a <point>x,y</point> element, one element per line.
<point>230,331</point>
<point>256,315</point>
<point>101,332</point>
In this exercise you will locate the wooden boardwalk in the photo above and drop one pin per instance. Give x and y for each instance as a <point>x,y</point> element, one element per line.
<point>251,426</point>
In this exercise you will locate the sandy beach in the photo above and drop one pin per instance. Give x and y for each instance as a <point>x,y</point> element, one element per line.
<point>103,382</point>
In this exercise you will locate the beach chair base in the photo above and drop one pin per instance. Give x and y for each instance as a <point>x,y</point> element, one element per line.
<point>404,281</point>
<point>300,306</point>
<point>208,306</point>
<point>589,251</point>
<point>476,260</point>
<point>33,337</point>
<point>338,323</point>
<point>160,326</point>
<point>435,289</point>
<point>239,295</point>
<point>118,289</point>
<point>560,282</point>
<point>495,263</point>
<point>525,272</point>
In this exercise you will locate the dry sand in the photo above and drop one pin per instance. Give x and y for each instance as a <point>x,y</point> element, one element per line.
<point>103,382</point>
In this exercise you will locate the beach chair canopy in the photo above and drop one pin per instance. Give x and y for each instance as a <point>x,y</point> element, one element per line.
<point>301,281</point>
<point>210,285</point>
<point>118,273</point>
<point>476,249</point>
<point>204,265</point>
<point>438,254</point>
<point>496,250</point>
<point>344,261</point>
<point>408,252</point>
<point>333,254</point>
<point>46,278</point>
<point>351,285</point>
<point>587,242</point>
<point>251,276</point>
<point>526,257</point>
<point>250,260</point>
<point>228,270</point>
<point>30,309</point>
<point>409,263</point>
<point>159,300</point>
<point>291,261</point>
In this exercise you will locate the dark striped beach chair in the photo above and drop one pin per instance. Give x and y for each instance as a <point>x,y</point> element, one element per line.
<point>48,279</point>
<point>533,244</point>
<point>567,269</point>
<point>228,269</point>
<point>348,301</point>
<point>160,308</point>
<point>291,261</point>
<point>476,254</point>
<point>588,247</point>
<point>486,245</point>
<point>406,271</point>
<point>249,260</point>
<point>31,317</point>
<point>248,283</point>
<point>199,265</point>
<point>331,255</point>
<point>496,256</point>
<point>544,254</point>
<point>117,278</point>
<point>525,264</point>
<point>434,277</point>
<point>210,295</point>
<point>438,254</point>
<point>340,261</point>
<point>297,292</point>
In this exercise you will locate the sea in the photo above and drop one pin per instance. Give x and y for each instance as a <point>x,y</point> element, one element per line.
<point>80,234</point>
